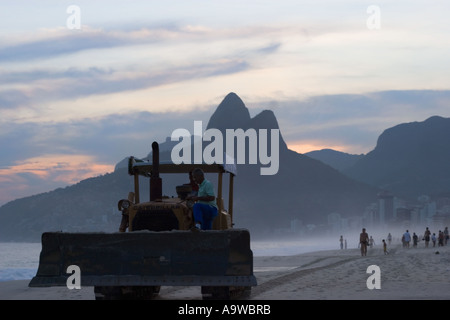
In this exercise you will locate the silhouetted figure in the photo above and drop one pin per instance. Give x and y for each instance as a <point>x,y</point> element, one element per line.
<point>407,238</point>
<point>415,240</point>
<point>441,237</point>
<point>371,242</point>
<point>363,241</point>
<point>446,235</point>
<point>426,237</point>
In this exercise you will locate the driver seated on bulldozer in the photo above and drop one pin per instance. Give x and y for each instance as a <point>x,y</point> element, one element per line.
<point>205,208</point>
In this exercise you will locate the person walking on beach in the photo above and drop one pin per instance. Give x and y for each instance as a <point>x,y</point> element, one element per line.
<point>385,247</point>
<point>426,237</point>
<point>363,241</point>
<point>407,238</point>
<point>440,239</point>
<point>415,239</point>
<point>341,240</point>
<point>371,242</point>
<point>446,235</point>
<point>433,239</point>
<point>389,237</point>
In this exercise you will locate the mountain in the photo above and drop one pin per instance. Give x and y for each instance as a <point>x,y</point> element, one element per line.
<point>339,160</point>
<point>409,160</point>
<point>302,189</point>
<point>230,114</point>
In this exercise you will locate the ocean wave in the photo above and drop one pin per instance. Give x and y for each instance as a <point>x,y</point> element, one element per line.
<point>9,274</point>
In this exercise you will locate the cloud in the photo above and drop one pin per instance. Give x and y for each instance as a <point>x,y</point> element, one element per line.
<point>20,77</point>
<point>79,71</point>
<point>272,48</point>
<point>57,42</point>
<point>52,43</point>
<point>12,98</point>
<point>46,86</point>
<point>67,168</point>
<point>47,172</point>
<point>109,138</point>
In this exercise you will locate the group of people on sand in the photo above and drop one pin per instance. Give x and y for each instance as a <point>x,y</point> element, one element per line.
<point>441,238</point>
<point>366,241</point>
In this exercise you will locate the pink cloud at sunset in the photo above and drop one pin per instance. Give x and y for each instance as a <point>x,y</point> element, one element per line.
<point>55,170</point>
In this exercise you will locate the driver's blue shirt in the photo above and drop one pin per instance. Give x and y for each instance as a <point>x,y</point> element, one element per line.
<point>206,189</point>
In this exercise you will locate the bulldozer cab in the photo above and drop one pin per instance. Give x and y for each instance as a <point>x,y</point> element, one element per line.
<point>181,207</point>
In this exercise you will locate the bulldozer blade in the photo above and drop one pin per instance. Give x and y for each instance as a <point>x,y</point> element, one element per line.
<point>147,258</point>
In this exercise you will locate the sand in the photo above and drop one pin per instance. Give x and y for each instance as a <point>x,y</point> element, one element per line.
<point>405,274</point>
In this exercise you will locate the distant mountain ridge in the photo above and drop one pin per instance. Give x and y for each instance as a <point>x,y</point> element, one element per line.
<point>339,160</point>
<point>410,159</point>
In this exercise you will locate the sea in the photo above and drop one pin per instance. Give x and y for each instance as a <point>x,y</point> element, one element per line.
<point>19,261</point>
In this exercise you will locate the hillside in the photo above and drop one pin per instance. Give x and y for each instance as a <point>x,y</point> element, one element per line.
<point>339,160</point>
<point>409,159</point>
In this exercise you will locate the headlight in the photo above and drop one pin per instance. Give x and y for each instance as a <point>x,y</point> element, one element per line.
<point>126,204</point>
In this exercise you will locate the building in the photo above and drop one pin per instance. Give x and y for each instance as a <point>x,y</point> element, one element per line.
<point>386,208</point>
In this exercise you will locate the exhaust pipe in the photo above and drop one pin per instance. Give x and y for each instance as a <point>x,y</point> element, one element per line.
<point>155,180</point>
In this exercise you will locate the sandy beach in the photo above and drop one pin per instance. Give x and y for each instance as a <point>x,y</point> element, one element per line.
<point>405,274</point>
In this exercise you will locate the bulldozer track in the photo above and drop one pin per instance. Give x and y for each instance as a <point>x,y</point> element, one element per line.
<point>295,273</point>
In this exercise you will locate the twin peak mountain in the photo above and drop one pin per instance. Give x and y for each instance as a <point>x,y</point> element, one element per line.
<point>233,114</point>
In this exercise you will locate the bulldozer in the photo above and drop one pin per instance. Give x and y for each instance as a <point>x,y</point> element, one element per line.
<point>157,244</point>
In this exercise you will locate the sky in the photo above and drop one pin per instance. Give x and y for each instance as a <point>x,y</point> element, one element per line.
<point>84,84</point>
